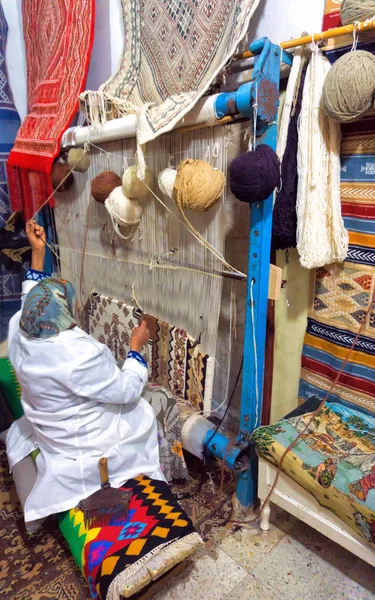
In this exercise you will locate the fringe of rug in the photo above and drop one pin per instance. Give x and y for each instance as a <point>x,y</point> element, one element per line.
<point>100,107</point>
<point>152,566</point>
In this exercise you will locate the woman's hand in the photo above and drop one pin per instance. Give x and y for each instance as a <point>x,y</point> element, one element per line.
<point>139,337</point>
<point>37,240</point>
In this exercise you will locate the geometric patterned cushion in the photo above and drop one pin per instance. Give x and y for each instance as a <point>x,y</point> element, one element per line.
<point>132,551</point>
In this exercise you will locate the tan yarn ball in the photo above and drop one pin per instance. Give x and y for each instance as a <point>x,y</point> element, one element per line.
<point>356,10</point>
<point>103,184</point>
<point>134,187</point>
<point>349,87</point>
<point>79,160</point>
<point>198,186</point>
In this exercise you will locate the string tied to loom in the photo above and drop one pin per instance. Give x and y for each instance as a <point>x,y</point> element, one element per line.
<point>254,175</point>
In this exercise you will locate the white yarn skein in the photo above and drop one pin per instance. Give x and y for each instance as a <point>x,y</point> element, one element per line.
<point>166,181</point>
<point>132,186</point>
<point>123,211</point>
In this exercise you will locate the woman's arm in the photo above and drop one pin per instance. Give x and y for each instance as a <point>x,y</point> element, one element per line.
<point>37,240</point>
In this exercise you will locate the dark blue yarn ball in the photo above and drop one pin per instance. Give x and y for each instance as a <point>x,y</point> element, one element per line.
<point>253,176</point>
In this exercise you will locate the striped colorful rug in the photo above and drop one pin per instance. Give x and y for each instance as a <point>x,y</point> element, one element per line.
<point>343,291</point>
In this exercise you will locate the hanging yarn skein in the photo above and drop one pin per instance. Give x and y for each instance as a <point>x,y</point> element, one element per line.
<point>255,175</point>
<point>284,218</point>
<point>103,184</point>
<point>349,88</point>
<point>79,160</point>
<point>356,10</point>
<point>198,186</point>
<point>132,186</point>
<point>124,212</point>
<point>321,236</point>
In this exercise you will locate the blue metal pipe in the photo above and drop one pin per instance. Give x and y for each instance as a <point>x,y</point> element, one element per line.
<point>222,448</point>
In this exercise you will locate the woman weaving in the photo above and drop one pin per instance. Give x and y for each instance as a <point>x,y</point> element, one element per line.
<point>78,404</point>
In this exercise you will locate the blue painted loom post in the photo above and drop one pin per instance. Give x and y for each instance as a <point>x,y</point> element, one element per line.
<point>267,83</point>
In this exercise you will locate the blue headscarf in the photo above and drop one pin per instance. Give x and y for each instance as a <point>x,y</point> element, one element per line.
<point>48,309</point>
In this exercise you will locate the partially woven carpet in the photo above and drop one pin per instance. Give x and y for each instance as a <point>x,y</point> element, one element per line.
<point>173,51</point>
<point>58,41</point>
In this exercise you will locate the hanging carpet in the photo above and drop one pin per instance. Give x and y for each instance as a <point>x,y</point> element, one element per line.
<point>58,40</point>
<point>173,51</point>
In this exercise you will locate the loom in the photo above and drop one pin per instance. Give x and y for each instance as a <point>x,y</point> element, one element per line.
<point>262,91</point>
<point>232,107</point>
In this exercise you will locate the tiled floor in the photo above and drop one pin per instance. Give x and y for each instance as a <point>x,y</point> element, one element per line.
<point>291,562</point>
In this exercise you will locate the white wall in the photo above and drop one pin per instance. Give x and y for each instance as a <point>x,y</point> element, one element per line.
<point>278,19</point>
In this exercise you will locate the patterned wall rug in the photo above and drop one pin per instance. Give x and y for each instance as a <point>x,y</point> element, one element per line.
<point>173,51</point>
<point>58,40</point>
<point>343,291</point>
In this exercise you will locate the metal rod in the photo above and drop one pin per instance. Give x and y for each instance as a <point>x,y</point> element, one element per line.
<point>317,37</point>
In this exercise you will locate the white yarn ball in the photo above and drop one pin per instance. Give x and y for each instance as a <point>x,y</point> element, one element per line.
<point>166,181</point>
<point>134,187</point>
<point>123,211</point>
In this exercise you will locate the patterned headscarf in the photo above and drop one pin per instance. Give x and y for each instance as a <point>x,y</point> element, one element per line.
<point>48,309</point>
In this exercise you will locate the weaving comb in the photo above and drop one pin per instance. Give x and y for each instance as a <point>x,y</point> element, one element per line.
<point>103,504</point>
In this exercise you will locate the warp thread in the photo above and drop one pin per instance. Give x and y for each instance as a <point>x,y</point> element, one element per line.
<point>103,184</point>
<point>356,10</point>
<point>284,224</point>
<point>198,186</point>
<point>254,175</point>
<point>349,87</point>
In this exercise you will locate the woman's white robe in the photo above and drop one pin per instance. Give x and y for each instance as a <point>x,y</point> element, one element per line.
<point>79,406</point>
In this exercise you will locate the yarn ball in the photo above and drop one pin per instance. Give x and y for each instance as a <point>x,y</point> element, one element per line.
<point>166,181</point>
<point>123,210</point>
<point>348,90</point>
<point>134,187</point>
<point>198,186</point>
<point>103,185</point>
<point>356,10</point>
<point>79,160</point>
<point>59,172</point>
<point>254,175</point>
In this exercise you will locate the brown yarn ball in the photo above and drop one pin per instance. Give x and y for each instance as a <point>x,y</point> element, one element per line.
<point>198,186</point>
<point>59,172</point>
<point>103,185</point>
